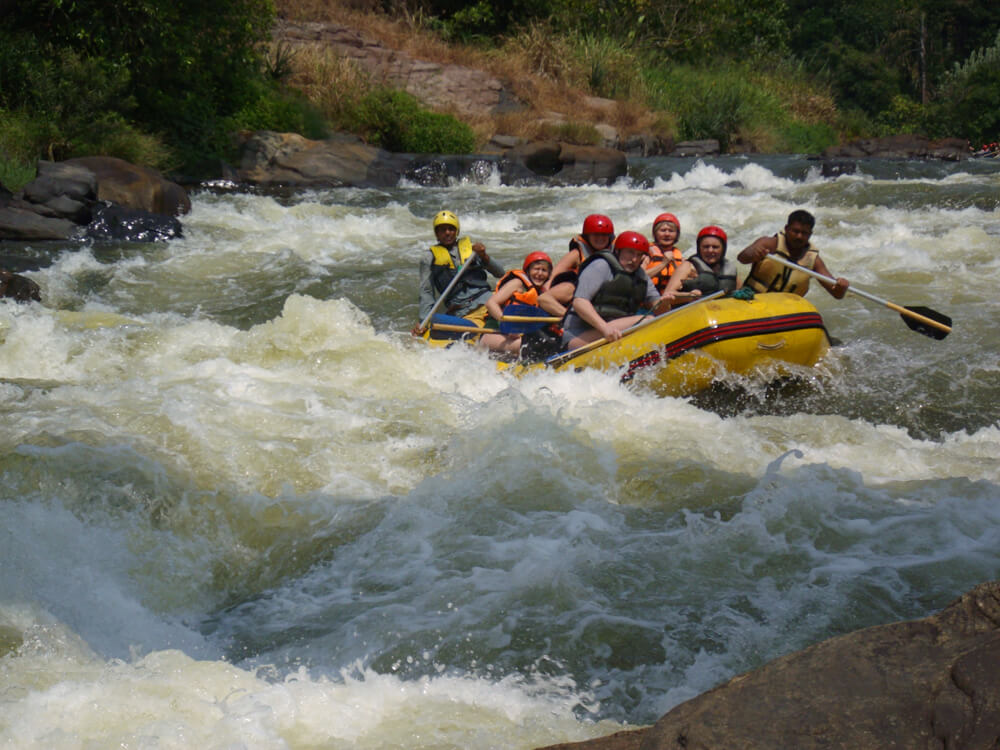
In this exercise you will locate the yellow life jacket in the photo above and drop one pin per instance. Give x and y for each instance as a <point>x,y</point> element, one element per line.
<point>442,257</point>
<point>770,276</point>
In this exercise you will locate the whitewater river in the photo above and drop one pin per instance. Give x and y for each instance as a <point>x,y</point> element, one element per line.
<point>242,508</point>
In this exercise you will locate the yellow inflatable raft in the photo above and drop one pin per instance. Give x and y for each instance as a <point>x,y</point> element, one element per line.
<point>684,351</point>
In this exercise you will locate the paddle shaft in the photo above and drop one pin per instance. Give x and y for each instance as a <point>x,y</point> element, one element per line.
<point>566,356</point>
<point>445,293</point>
<point>867,295</point>
<point>461,329</point>
<point>529,319</point>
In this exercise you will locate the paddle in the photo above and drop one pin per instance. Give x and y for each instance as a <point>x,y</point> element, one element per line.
<point>566,356</point>
<point>460,329</point>
<point>920,319</point>
<point>521,318</point>
<point>445,293</point>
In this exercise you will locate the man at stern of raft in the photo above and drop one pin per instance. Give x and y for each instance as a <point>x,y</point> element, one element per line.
<point>440,264</point>
<point>793,244</point>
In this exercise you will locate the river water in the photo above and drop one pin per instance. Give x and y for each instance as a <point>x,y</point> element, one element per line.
<point>242,508</point>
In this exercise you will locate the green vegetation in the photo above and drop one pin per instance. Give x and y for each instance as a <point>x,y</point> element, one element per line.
<point>167,82</point>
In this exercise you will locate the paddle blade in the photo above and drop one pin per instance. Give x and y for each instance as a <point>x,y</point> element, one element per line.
<point>925,328</point>
<point>526,311</point>
<point>437,334</point>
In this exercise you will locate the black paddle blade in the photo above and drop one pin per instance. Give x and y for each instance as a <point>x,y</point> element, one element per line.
<point>921,327</point>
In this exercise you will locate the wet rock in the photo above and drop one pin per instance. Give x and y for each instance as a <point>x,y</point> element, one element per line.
<point>133,186</point>
<point>647,144</point>
<point>287,159</point>
<point>904,146</point>
<point>831,168</point>
<point>72,199</point>
<point>930,683</point>
<point>113,222</point>
<point>20,223</point>
<point>562,164</point>
<point>19,288</point>
<point>707,147</point>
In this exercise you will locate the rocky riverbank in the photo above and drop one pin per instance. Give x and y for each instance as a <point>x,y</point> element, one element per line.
<point>930,683</point>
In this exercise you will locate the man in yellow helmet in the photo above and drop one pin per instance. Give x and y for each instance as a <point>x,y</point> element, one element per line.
<point>438,267</point>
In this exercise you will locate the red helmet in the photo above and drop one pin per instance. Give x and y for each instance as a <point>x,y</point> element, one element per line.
<point>632,241</point>
<point>667,217</point>
<point>598,224</point>
<point>534,258</point>
<point>713,231</point>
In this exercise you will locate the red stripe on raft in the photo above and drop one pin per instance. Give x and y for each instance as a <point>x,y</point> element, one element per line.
<point>723,332</point>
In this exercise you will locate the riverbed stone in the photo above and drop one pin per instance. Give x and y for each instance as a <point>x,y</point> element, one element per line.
<point>929,683</point>
<point>18,223</point>
<point>901,146</point>
<point>133,186</point>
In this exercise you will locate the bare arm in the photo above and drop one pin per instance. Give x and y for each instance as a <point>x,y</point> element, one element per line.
<point>568,262</point>
<point>758,250</point>
<point>589,315</point>
<point>837,290</point>
<point>495,303</point>
<point>674,285</point>
<point>555,299</point>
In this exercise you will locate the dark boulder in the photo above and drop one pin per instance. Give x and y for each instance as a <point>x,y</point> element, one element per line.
<point>707,147</point>
<point>19,288</point>
<point>113,222</point>
<point>133,186</point>
<point>18,222</point>
<point>272,159</point>
<point>557,163</point>
<point>930,683</point>
<point>903,146</point>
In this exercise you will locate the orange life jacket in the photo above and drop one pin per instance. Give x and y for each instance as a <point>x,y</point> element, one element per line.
<point>527,296</point>
<point>663,275</point>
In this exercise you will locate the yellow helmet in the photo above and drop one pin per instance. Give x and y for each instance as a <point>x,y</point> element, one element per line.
<point>446,217</point>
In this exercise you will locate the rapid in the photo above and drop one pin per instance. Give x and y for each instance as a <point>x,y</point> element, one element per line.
<point>242,508</point>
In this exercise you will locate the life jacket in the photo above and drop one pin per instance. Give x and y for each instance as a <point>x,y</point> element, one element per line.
<point>708,281</point>
<point>662,276</point>
<point>623,294</point>
<point>474,281</point>
<point>770,276</point>
<point>527,296</point>
<point>582,248</point>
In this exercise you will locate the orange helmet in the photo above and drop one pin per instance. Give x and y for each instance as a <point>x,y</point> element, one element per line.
<point>534,258</point>
<point>598,224</point>
<point>632,241</point>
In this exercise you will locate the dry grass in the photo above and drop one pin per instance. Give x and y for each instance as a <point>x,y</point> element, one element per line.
<point>536,65</point>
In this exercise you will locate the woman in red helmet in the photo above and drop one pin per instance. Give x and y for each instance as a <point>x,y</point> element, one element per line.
<point>664,255</point>
<point>707,271</point>
<point>522,285</point>
<point>611,290</point>
<point>597,234</point>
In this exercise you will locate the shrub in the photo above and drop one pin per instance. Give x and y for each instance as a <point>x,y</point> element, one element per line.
<point>580,133</point>
<point>395,121</point>
<point>805,138</point>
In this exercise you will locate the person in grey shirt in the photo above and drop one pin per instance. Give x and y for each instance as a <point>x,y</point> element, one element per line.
<point>611,290</point>
<point>439,266</point>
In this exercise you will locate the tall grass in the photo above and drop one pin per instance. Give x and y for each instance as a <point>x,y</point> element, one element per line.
<point>768,111</point>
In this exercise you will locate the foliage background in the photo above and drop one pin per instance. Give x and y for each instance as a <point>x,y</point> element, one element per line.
<point>168,82</point>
